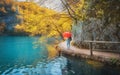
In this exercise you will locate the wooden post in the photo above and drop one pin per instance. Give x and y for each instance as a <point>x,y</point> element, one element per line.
<point>90,46</point>
<point>102,42</point>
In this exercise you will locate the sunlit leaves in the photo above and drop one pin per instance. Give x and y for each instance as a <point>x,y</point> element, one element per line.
<point>43,21</point>
<point>75,8</point>
<point>52,52</point>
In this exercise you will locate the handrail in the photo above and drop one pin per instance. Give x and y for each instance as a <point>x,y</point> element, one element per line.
<point>90,44</point>
<point>102,42</point>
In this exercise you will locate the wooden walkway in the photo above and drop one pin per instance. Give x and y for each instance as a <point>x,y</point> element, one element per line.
<point>75,50</point>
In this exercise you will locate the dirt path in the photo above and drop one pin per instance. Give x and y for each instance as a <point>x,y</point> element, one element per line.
<point>75,50</point>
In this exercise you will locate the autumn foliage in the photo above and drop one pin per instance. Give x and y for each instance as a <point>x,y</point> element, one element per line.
<point>6,7</point>
<point>42,21</point>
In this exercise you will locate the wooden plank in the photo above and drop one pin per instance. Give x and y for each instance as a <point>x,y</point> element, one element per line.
<point>106,50</point>
<point>102,42</point>
<point>90,46</point>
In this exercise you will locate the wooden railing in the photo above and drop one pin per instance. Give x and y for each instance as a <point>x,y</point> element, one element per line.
<point>104,42</point>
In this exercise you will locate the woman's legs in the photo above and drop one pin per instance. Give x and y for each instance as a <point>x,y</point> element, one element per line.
<point>68,43</point>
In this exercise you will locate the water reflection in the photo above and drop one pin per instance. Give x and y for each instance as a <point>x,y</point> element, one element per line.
<point>53,67</point>
<point>62,66</point>
<point>18,57</point>
<point>77,66</point>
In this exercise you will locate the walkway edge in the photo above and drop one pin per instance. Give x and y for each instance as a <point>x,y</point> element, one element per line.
<point>105,57</point>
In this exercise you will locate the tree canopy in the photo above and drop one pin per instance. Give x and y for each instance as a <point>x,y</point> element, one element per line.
<point>42,21</point>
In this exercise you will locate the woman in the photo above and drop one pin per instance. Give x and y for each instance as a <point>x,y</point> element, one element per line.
<point>68,42</point>
<point>67,36</point>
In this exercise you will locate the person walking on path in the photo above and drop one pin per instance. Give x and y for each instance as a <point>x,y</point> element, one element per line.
<point>68,42</point>
<point>67,36</point>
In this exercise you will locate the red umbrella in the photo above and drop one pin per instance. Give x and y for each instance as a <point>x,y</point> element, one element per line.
<point>67,34</point>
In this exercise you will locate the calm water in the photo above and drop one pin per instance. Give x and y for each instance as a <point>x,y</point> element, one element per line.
<point>76,66</point>
<point>22,56</point>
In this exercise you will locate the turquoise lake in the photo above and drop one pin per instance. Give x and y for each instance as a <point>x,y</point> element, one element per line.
<point>17,51</point>
<point>22,55</point>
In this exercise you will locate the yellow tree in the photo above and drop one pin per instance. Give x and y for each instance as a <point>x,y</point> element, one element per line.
<point>42,20</point>
<point>75,9</point>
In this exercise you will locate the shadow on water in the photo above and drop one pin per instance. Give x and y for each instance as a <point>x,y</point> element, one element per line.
<point>77,66</point>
